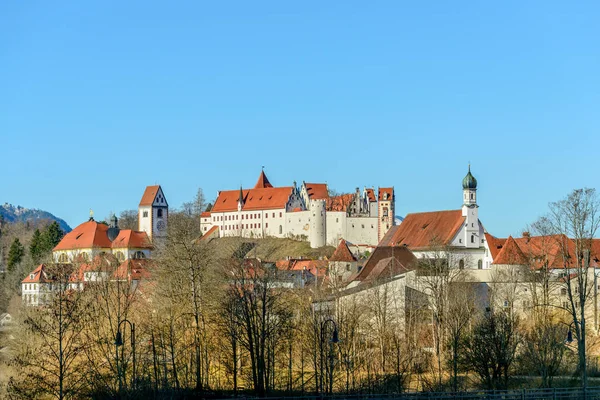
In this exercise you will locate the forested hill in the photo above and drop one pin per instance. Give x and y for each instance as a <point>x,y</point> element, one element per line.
<point>12,213</point>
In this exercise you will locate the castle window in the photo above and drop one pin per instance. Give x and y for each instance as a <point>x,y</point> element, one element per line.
<point>471,196</point>
<point>159,213</point>
<point>280,215</point>
<point>385,211</point>
<point>273,215</point>
<point>266,224</point>
<point>204,229</point>
<point>120,256</point>
<point>280,229</point>
<point>461,264</point>
<point>472,239</point>
<point>145,214</point>
<point>479,264</point>
<point>363,226</point>
<point>266,215</point>
<point>337,220</point>
<point>139,255</point>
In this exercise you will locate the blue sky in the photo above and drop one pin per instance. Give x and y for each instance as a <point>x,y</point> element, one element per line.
<point>100,99</point>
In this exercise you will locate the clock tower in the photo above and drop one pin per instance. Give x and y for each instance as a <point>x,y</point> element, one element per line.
<point>153,213</point>
<point>470,211</point>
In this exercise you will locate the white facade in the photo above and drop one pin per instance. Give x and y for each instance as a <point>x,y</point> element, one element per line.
<point>360,221</point>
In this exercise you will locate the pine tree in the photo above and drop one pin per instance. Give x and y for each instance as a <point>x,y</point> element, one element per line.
<point>15,254</point>
<point>52,236</point>
<point>36,247</point>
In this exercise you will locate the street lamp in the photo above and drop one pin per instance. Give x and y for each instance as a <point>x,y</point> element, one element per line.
<point>334,339</point>
<point>118,343</point>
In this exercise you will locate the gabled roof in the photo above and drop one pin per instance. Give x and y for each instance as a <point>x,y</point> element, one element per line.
<point>149,195</point>
<point>133,269</point>
<point>425,230</point>
<point>254,199</point>
<point>262,182</point>
<point>316,191</point>
<point>389,191</point>
<point>371,195</point>
<point>511,254</point>
<point>386,262</point>
<point>39,275</point>
<point>205,214</point>
<point>131,239</point>
<point>495,244</point>
<point>342,253</point>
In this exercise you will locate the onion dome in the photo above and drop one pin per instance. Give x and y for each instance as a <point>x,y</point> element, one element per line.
<point>469,182</point>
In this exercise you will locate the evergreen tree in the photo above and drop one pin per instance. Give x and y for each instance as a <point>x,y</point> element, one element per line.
<point>36,247</point>
<point>52,236</point>
<point>15,254</point>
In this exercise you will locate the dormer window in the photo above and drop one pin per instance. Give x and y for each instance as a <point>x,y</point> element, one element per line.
<point>31,276</point>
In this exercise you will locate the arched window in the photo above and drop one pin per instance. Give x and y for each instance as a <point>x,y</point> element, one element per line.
<point>159,213</point>
<point>479,264</point>
<point>461,264</point>
<point>472,238</point>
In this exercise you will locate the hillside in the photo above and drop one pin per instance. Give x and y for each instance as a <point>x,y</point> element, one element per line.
<point>13,214</point>
<point>273,249</point>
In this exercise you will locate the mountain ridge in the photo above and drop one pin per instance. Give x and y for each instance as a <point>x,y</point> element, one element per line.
<point>12,213</point>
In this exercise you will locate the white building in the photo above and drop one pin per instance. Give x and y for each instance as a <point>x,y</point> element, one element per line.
<point>307,213</point>
<point>459,232</point>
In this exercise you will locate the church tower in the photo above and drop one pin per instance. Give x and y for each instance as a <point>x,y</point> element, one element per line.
<point>470,211</point>
<point>153,213</point>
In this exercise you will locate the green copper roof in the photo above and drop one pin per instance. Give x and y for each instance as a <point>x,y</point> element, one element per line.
<point>469,182</point>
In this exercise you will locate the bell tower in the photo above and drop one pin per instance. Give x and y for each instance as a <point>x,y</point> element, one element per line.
<point>153,213</point>
<point>470,210</point>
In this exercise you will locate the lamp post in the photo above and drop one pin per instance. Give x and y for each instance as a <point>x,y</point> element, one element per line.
<point>119,342</point>
<point>334,339</point>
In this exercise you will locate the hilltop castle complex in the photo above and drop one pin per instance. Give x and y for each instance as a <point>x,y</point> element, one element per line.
<point>307,212</point>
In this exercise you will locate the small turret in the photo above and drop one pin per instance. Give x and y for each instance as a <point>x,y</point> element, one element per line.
<point>113,229</point>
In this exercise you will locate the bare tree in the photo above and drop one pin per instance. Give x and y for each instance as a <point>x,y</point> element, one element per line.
<point>461,308</point>
<point>575,221</point>
<point>50,358</point>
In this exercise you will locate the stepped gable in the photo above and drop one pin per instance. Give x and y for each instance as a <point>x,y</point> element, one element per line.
<point>317,191</point>
<point>424,230</point>
<point>511,254</point>
<point>149,195</point>
<point>262,182</point>
<point>342,253</point>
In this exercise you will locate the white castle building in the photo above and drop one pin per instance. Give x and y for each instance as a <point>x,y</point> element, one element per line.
<point>307,212</point>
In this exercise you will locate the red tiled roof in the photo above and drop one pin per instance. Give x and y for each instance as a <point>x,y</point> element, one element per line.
<point>340,202</point>
<point>131,239</point>
<point>495,244</point>
<point>90,234</point>
<point>371,195</point>
<point>212,232</point>
<point>39,275</point>
<point>389,191</point>
<point>254,199</point>
<point>149,195</point>
<point>315,267</point>
<point>510,254</point>
<point>134,269</point>
<point>386,262</point>
<point>317,191</point>
<point>262,182</point>
<point>205,214</point>
<point>424,230</point>
<point>342,253</point>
